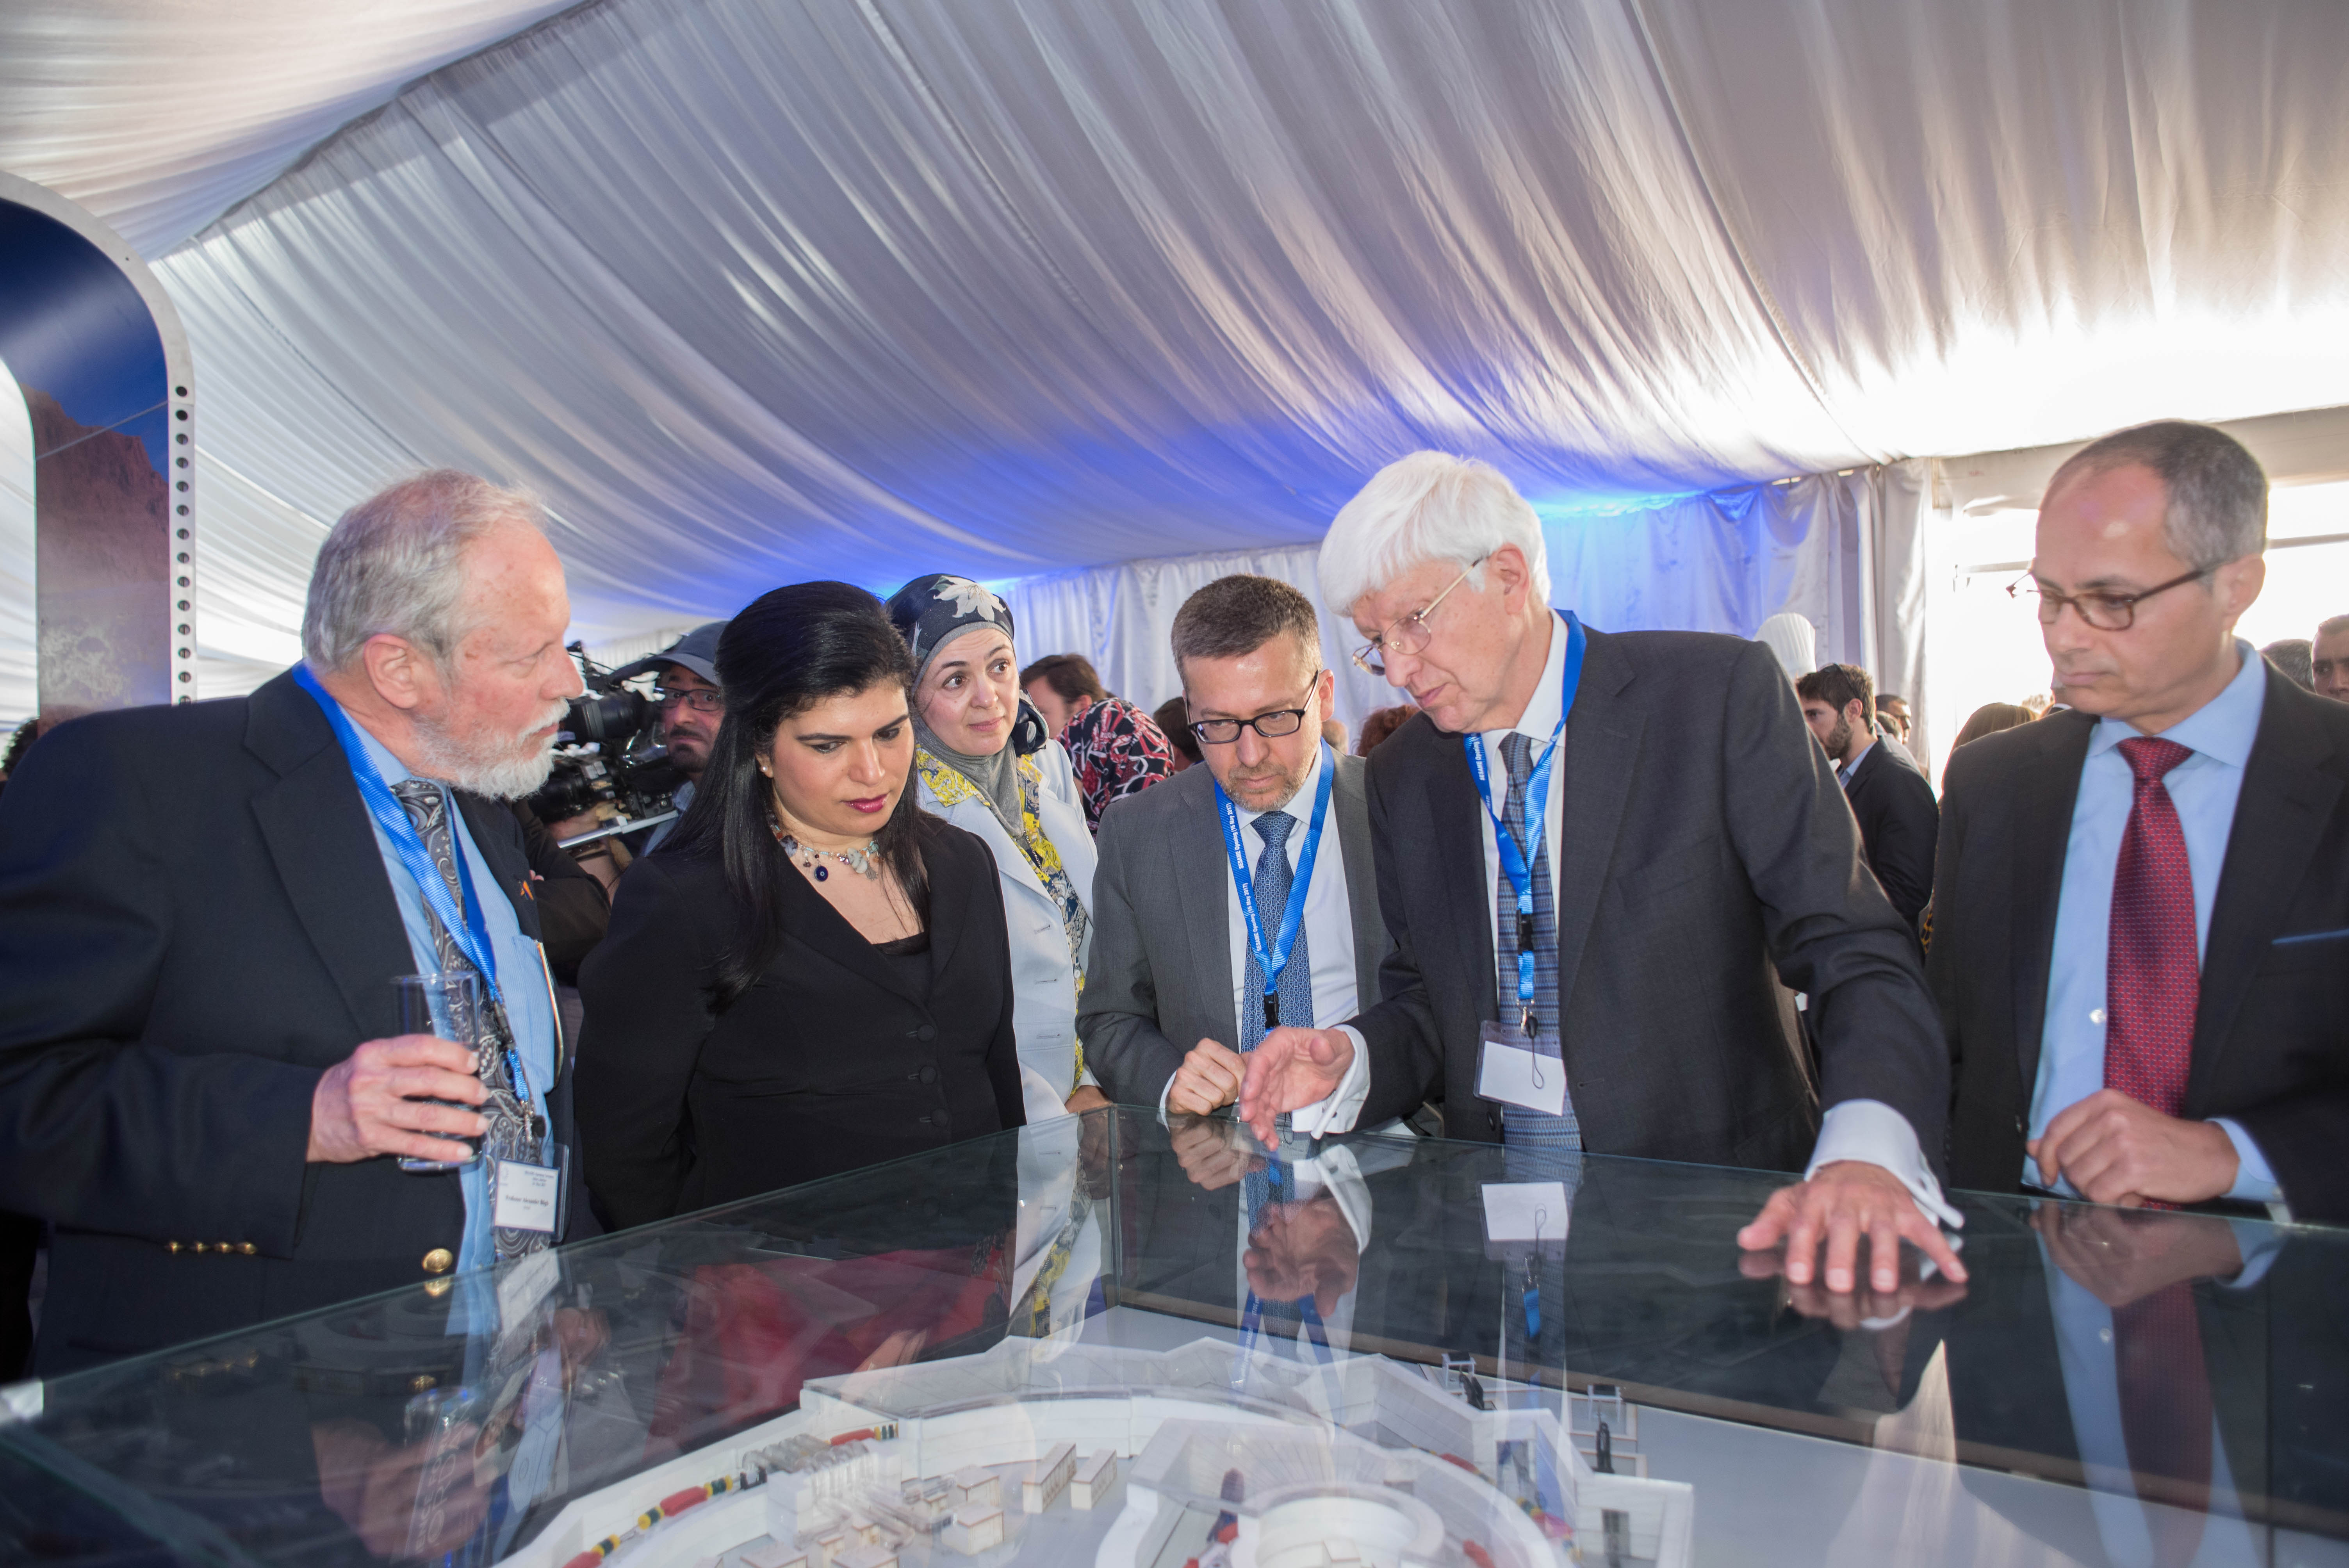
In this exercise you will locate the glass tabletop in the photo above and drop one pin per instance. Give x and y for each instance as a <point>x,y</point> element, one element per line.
<point>1045,1346</point>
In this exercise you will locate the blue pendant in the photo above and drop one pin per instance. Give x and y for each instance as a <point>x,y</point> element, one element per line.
<point>820,875</point>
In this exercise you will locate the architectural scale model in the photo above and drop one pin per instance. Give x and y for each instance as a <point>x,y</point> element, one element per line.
<point>1211,1456</point>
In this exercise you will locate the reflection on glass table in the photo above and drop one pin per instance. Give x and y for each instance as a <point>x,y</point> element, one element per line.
<point>1104,1341</point>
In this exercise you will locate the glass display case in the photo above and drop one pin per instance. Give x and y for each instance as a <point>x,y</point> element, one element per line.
<point>1105,1341</point>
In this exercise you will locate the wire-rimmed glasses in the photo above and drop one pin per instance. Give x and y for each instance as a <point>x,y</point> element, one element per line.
<point>1409,636</point>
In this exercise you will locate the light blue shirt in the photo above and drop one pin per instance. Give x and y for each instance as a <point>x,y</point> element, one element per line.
<point>2085,1354</point>
<point>521,983</point>
<point>2203,789</point>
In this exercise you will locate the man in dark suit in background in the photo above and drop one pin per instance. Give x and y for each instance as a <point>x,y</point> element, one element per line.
<point>1894,806</point>
<point>1611,981</point>
<point>203,1087</point>
<point>2141,932</point>
<point>1175,992</point>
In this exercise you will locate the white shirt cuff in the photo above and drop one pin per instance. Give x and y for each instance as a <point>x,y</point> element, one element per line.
<point>2255,1179</point>
<point>1873,1133</point>
<point>1339,1110</point>
<point>1335,1169</point>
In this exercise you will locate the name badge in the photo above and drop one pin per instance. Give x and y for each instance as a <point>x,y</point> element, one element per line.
<point>527,1196</point>
<point>1510,1071</point>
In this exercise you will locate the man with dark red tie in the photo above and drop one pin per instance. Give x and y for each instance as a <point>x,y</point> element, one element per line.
<point>2141,921</point>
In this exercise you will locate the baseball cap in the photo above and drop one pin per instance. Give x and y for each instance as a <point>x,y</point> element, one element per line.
<point>697,651</point>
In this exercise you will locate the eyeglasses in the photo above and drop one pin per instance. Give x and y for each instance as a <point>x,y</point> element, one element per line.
<point>1410,634</point>
<point>701,699</point>
<point>2105,611</point>
<point>1272,726</point>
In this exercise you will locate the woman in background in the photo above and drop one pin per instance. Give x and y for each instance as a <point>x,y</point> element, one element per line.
<point>812,973</point>
<point>985,765</point>
<point>1990,718</point>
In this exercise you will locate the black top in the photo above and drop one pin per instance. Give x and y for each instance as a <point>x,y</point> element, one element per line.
<point>842,1055</point>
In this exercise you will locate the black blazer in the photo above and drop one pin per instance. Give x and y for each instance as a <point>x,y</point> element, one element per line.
<point>822,1066</point>
<point>1691,879</point>
<point>1899,820</point>
<point>573,910</point>
<point>194,923</point>
<point>2271,1026</point>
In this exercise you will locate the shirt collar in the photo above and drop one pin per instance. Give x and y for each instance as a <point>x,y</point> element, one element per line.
<point>1304,793</point>
<point>1852,767</point>
<point>2223,729</point>
<point>387,766</point>
<point>1542,710</point>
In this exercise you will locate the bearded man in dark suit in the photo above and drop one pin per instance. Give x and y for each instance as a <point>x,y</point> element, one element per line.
<point>203,1085</point>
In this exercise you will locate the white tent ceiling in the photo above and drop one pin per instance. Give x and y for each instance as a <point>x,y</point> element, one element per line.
<point>754,290</point>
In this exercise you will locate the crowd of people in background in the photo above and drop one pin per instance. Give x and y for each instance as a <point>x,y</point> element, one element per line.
<point>916,892</point>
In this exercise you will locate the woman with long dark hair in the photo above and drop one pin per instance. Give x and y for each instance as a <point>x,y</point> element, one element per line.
<point>811,975</point>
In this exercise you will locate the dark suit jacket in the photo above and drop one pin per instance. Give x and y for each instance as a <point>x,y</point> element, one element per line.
<point>824,1065</point>
<point>1159,978</point>
<point>2271,1026</point>
<point>1899,820</point>
<point>1691,879</point>
<point>195,924</point>
<point>573,910</point>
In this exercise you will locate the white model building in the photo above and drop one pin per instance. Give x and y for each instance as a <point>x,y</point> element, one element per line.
<point>1048,1478</point>
<point>782,1555</point>
<point>973,1531</point>
<point>868,1557</point>
<point>1094,1480</point>
<point>976,1487</point>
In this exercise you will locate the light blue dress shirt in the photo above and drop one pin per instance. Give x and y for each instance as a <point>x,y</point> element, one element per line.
<point>2203,788</point>
<point>521,982</point>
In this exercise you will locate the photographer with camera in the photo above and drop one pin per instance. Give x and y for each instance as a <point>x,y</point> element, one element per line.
<point>687,708</point>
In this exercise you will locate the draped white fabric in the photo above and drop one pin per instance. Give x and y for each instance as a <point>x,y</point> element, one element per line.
<point>1844,552</point>
<point>755,291</point>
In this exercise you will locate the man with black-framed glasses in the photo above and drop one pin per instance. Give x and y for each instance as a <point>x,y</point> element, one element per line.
<point>1183,983</point>
<point>2141,911</point>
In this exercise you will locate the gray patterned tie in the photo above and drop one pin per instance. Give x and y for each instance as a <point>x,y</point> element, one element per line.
<point>1522,1128</point>
<point>513,1133</point>
<point>1272,884</point>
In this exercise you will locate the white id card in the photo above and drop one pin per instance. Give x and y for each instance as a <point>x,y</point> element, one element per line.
<point>1510,1071</point>
<point>527,1196</point>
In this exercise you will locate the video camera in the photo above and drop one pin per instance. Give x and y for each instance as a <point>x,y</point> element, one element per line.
<point>609,760</point>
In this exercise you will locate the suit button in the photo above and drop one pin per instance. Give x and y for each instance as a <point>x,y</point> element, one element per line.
<point>927,1032</point>
<point>438,1261</point>
<point>200,1246</point>
<point>2019,1127</point>
<point>248,1249</point>
<point>437,1288</point>
<point>929,1074</point>
<point>173,1245</point>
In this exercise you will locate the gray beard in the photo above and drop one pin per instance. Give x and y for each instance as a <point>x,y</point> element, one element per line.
<point>506,774</point>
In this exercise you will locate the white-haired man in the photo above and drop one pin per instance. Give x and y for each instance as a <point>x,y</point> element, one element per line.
<point>1590,916</point>
<point>203,1084</point>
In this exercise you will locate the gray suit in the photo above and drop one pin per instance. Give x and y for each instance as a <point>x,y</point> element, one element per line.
<point>1161,978</point>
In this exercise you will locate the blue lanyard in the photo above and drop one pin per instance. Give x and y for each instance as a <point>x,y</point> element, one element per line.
<point>1516,863</point>
<point>465,927</point>
<point>1273,960</point>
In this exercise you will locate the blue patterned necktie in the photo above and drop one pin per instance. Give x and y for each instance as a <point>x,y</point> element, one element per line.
<point>512,1134</point>
<point>1522,1128</point>
<point>1273,878</point>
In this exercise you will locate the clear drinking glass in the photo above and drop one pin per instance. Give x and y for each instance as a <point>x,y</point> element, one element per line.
<point>449,1005</point>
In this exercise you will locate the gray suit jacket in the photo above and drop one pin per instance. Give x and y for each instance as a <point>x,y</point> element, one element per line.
<point>1691,879</point>
<point>1161,978</point>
